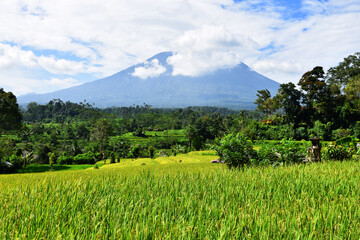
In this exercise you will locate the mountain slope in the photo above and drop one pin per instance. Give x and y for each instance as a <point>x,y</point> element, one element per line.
<point>234,88</point>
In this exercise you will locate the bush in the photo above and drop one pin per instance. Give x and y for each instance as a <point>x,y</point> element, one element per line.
<point>135,151</point>
<point>151,151</point>
<point>284,152</point>
<point>15,161</point>
<point>322,130</point>
<point>337,153</point>
<point>85,158</point>
<point>301,133</point>
<point>112,156</point>
<point>236,150</point>
<point>341,133</point>
<point>64,159</point>
<point>356,129</point>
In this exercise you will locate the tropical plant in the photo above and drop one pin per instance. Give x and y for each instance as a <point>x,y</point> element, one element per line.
<point>236,150</point>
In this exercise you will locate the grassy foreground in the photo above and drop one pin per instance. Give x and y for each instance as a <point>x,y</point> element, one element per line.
<point>192,199</point>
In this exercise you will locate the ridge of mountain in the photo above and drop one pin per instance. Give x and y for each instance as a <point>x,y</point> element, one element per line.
<point>232,87</point>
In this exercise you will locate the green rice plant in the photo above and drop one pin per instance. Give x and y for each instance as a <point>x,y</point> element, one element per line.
<point>194,199</point>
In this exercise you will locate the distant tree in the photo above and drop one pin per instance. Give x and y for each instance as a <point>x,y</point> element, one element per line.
<point>346,70</point>
<point>10,116</point>
<point>289,98</point>
<point>264,102</point>
<point>352,89</point>
<point>101,131</point>
<point>317,97</point>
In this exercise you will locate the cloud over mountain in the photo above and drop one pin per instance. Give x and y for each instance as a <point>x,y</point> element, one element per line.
<point>234,87</point>
<point>150,69</point>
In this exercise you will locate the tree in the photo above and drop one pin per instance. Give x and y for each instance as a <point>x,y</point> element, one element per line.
<point>264,102</point>
<point>288,98</point>
<point>318,96</point>
<point>236,150</point>
<point>101,131</point>
<point>352,89</point>
<point>313,83</point>
<point>10,116</point>
<point>346,69</point>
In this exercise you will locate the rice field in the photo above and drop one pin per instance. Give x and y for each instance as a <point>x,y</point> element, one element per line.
<point>166,198</point>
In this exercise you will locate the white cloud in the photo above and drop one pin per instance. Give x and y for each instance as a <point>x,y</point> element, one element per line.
<point>20,83</point>
<point>60,66</point>
<point>62,83</point>
<point>277,66</point>
<point>109,36</point>
<point>207,49</point>
<point>150,69</point>
<point>14,56</point>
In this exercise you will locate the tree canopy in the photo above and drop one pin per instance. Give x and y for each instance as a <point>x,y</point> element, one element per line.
<point>10,116</point>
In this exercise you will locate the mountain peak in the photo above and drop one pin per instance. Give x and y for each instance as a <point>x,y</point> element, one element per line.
<point>152,82</point>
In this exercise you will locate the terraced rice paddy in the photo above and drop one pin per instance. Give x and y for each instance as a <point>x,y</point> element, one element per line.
<point>192,199</point>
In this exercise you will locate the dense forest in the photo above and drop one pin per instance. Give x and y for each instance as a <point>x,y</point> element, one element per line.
<point>324,103</point>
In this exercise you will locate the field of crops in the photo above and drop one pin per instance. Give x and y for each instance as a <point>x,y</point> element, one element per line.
<point>183,197</point>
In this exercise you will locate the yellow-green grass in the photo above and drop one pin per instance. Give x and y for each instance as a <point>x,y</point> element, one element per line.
<point>191,199</point>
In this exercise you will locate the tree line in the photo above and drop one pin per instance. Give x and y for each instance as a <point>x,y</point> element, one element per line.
<point>325,102</point>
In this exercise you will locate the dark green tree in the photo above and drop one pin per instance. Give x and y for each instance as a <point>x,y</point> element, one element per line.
<point>10,116</point>
<point>264,102</point>
<point>346,69</point>
<point>318,98</point>
<point>289,98</point>
<point>101,131</point>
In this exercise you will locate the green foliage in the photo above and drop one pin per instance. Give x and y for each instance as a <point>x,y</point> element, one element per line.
<point>43,153</point>
<point>112,157</point>
<point>264,102</point>
<point>236,150</point>
<point>341,133</point>
<point>184,201</point>
<point>135,151</point>
<point>288,98</point>
<point>151,152</point>
<point>65,159</point>
<point>10,116</point>
<point>85,158</point>
<point>283,152</point>
<point>337,153</point>
<point>323,130</point>
<point>301,133</point>
<point>356,129</point>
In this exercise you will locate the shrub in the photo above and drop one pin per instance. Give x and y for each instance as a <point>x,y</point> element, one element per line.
<point>135,151</point>
<point>356,129</point>
<point>112,156</point>
<point>15,161</point>
<point>341,133</point>
<point>235,150</point>
<point>323,130</point>
<point>301,133</point>
<point>64,159</point>
<point>284,152</point>
<point>337,153</point>
<point>151,151</point>
<point>266,155</point>
<point>163,153</point>
<point>290,151</point>
<point>85,158</point>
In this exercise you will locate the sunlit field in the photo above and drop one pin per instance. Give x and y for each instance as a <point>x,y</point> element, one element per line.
<point>183,197</point>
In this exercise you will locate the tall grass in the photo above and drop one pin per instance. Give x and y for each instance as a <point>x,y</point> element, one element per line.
<point>188,200</point>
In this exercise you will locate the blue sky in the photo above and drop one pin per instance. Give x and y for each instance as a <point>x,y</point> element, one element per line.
<point>47,45</point>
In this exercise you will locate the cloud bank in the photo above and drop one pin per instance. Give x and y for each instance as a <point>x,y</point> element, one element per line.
<point>150,69</point>
<point>45,40</point>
